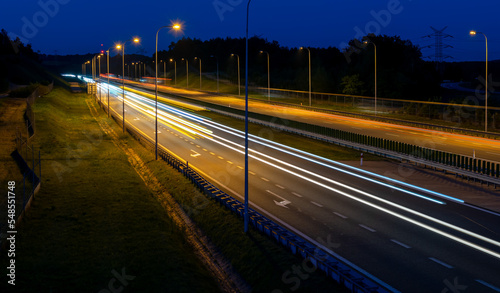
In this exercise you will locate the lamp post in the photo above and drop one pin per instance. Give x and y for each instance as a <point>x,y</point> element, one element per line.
<point>175,70</point>
<point>107,51</point>
<point>473,33</point>
<point>135,40</point>
<point>309,73</point>
<point>176,27</point>
<point>239,87</point>
<point>246,218</point>
<point>187,72</point>
<point>217,61</point>
<point>99,57</point>
<point>268,77</point>
<point>196,58</point>
<point>375,52</point>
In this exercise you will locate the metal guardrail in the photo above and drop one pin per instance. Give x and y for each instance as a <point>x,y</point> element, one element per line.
<point>473,169</point>
<point>493,135</point>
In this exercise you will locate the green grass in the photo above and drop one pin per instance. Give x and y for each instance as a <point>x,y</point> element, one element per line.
<point>94,215</point>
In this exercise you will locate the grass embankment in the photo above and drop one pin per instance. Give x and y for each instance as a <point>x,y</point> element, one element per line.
<point>94,215</point>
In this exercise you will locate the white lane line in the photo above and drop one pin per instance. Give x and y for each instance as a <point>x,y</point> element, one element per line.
<point>317,204</point>
<point>251,173</point>
<point>400,243</point>
<point>283,201</point>
<point>441,263</point>
<point>279,186</point>
<point>296,194</point>
<point>265,179</point>
<point>367,228</point>
<point>488,285</point>
<point>340,215</point>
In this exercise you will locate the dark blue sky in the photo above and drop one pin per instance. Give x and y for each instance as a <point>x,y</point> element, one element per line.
<point>78,26</point>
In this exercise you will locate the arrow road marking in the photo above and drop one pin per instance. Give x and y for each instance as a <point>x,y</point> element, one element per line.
<point>281,203</point>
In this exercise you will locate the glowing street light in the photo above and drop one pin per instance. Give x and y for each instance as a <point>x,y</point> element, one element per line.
<point>239,87</point>
<point>176,27</point>
<point>122,47</point>
<point>268,77</point>
<point>175,70</point>
<point>375,48</point>
<point>187,72</point>
<point>302,48</point>
<point>473,33</point>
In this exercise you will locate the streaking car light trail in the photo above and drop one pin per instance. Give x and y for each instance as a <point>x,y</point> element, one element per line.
<point>226,143</point>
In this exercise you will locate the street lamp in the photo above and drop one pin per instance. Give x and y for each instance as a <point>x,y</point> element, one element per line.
<point>107,52</point>
<point>268,77</point>
<point>375,52</point>
<point>122,46</point>
<point>301,48</point>
<point>239,87</point>
<point>473,33</point>
<point>99,57</point>
<point>196,58</point>
<point>187,72</point>
<point>176,27</point>
<point>217,60</point>
<point>175,70</point>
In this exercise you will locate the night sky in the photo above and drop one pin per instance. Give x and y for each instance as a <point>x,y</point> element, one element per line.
<point>78,27</point>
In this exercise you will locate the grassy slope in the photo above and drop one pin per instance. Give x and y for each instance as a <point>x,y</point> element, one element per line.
<point>94,215</point>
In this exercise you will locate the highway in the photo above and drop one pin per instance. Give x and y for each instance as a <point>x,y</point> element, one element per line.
<point>482,148</point>
<point>409,238</point>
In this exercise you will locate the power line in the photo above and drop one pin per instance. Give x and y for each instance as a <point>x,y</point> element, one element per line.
<point>439,35</point>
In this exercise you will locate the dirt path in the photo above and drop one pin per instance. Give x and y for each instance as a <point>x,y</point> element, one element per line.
<point>221,269</point>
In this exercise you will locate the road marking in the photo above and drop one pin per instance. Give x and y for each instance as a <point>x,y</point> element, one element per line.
<point>220,157</point>
<point>205,150</point>
<point>296,194</point>
<point>488,285</point>
<point>212,153</point>
<point>279,186</point>
<point>340,215</point>
<point>195,154</point>
<point>229,162</point>
<point>281,203</point>
<point>441,263</point>
<point>198,146</point>
<point>251,173</point>
<point>317,204</point>
<point>239,167</point>
<point>400,243</point>
<point>155,131</point>
<point>265,179</point>
<point>186,140</point>
<point>367,228</point>
<point>191,142</point>
<point>136,118</point>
